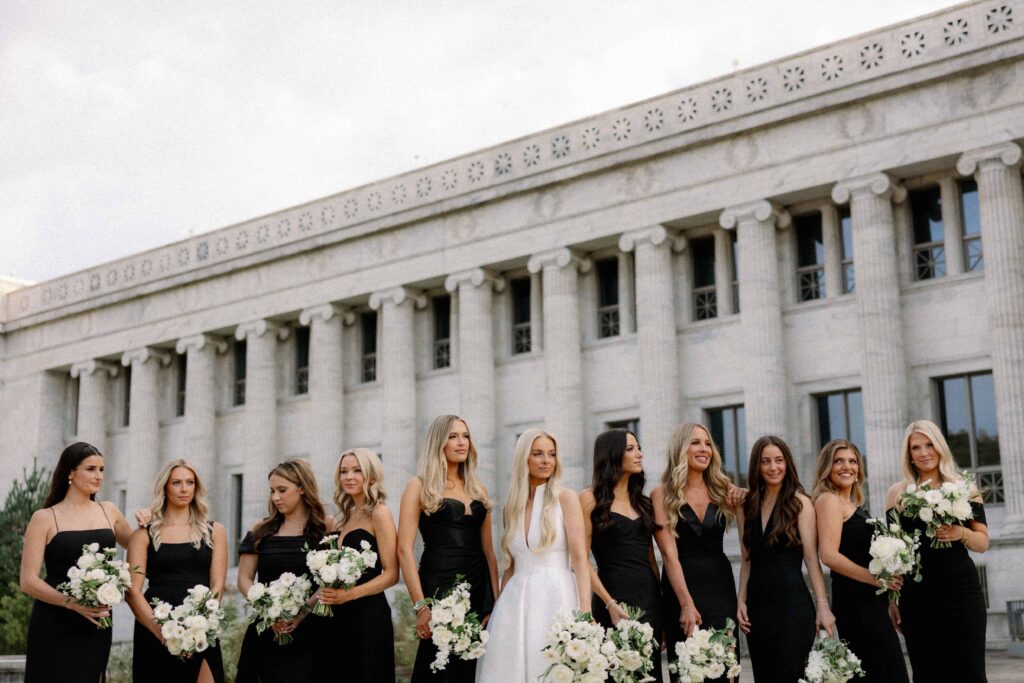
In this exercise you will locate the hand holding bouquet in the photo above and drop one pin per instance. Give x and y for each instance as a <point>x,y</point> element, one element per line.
<point>831,661</point>
<point>338,566</point>
<point>282,600</point>
<point>947,504</point>
<point>894,553</point>
<point>707,653</point>
<point>97,580</point>
<point>191,627</point>
<point>454,627</point>
<point>573,649</point>
<point>629,647</point>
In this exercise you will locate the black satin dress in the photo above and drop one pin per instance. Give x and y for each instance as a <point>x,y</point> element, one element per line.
<point>62,644</point>
<point>452,545</point>
<point>171,571</point>
<point>622,552</point>
<point>708,573</point>
<point>948,600</point>
<point>780,608</point>
<point>863,617</point>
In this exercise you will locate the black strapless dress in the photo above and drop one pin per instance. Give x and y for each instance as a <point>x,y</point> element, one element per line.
<point>863,617</point>
<point>63,645</point>
<point>948,600</point>
<point>171,571</point>
<point>452,546</point>
<point>708,573</point>
<point>622,552</point>
<point>780,608</point>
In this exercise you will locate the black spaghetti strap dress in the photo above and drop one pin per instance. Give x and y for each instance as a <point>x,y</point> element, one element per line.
<point>63,645</point>
<point>779,606</point>
<point>622,552</point>
<point>171,571</point>
<point>863,617</point>
<point>708,573</point>
<point>452,546</point>
<point>948,600</point>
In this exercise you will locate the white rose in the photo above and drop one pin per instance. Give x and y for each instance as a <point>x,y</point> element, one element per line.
<point>173,646</point>
<point>94,547</point>
<point>277,589</point>
<point>630,660</point>
<point>560,673</point>
<point>274,611</point>
<point>286,579</point>
<point>86,561</point>
<point>329,573</point>
<point>962,509</point>
<point>108,594</point>
<point>213,604</point>
<point>316,559</point>
<point>74,573</point>
<point>95,574</point>
<point>932,497</point>
<point>256,591</point>
<point>925,514</point>
<point>196,622</point>
<point>442,637</point>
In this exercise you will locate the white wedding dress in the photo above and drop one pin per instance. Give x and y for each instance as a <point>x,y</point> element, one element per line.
<point>543,584</point>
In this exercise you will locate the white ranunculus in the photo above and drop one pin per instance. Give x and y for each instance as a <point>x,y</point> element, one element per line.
<point>277,589</point>
<point>329,573</point>
<point>925,514</point>
<point>286,579</point>
<point>577,650</point>
<point>108,594</point>
<point>162,611</point>
<point>256,591</point>
<point>962,509</point>
<point>932,497</point>
<point>316,560</point>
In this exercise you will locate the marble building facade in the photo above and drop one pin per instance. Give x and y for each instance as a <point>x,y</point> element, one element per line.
<point>831,244</point>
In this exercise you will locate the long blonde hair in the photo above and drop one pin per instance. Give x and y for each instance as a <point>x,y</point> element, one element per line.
<point>373,484</point>
<point>198,510</point>
<point>519,492</point>
<point>432,469</point>
<point>677,467</point>
<point>823,476</point>
<point>948,471</point>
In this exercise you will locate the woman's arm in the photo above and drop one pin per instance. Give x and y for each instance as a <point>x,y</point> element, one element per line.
<point>509,572</point>
<point>572,518</point>
<point>807,525</point>
<point>122,529</point>
<point>384,531</point>
<point>615,612</point>
<point>487,539</point>
<point>741,597</point>
<point>688,614</point>
<point>219,564</point>
<point>408,525</point>
<point>247,566</point>
<point>138,545</point>
<point>829,513</point>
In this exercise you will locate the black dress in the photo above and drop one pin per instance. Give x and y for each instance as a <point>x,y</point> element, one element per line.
<point>62,644</point>
<point>779,606</point>
<point>622,552</point>
<point>261,659</point>
<point>361,628</point>
<point>708,573</point>
<point>171,571</point>
<point>948,599</point>
<point>863,617</point>
<point>452,546</point>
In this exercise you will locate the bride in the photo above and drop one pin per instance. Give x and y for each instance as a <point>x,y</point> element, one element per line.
<point>547,568</point>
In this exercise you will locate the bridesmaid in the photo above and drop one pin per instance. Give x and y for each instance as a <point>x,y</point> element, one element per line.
<point>618,522</point>
<point>180,549</point>
<point>949,598</point>
<point>449,506</point>
<point>778,531</point>
<point>362,616</point>
<point>274,546</point>
<point>692,508</point>
<point>844,538</point>
<point>64,643</point>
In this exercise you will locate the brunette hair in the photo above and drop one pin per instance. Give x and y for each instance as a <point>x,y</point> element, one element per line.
<point>609,448</point>
<point>787,506</point>
<point>69,461</point>
<point>298,472</point>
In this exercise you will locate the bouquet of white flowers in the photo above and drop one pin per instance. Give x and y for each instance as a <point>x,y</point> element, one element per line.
<point>831,661</point>
<point>338,567</point>
<point>97,579</point>
<point>454,627</point>
<point>707,653</point>
<point>282,600</point>
<point>893,552</point>
<point>575,649</point>
<point>629,647</point>
<point>192,626</point>
<point>947,504</point>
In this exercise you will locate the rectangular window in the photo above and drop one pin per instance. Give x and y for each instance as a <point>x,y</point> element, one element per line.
<point>236,509</point>
<point>238,381</point>
<point>810,250</point>
<point>179,398</point>
<point>841,416</point>
<point>929,233</point>
<point>846,229</point>
<point>631,425</point>
<point>705,298</point>
<point>729,431</point>
<point>967,414</point>
<point>126,414</point>
<point>302,360</point>
<point>607,297</point>
<point>735,272</point>
<point>368,327</point>
<point>522,340</point>
<point>971,212</point>
<point>442,331</point>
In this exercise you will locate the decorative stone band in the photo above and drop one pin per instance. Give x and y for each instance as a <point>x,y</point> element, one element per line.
<point>198,341</point>
<point>88,367</point>
<point>560,257</point>
<point>761,211</point>
<point>880,184</point>
<point>398,296</point>
<point>324,312</point>
<point>257,328</point>
<point>1008,154</point>
<point>144,355</point>
<point>475,277</point>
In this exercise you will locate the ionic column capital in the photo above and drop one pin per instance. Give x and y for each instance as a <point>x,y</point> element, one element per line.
<point>1007,154</point>
<point>198,341</point>
<point>324,312</point>
<point>761,211</point>
<point>475,277</point>
<point>144,355</point>
<point>257,328</point>
<point>398,296</point>
<point>91,366</point>
<point>561,257</point>
<point>879,184</point>
<point>655,235</point>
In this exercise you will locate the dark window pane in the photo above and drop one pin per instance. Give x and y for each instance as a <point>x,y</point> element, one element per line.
<point>442,317</point>
<point>179,408</point>
<point>735,257</point>
<point>986,429</point>
<point>520,289</point>
<point>855,413</point>
<point>239,360</point>
<point>955,420</point>
<point>926,207</point>
<point>974,254</point>
<point>824,421</point>
<point>971,209</point>
<point>302,347</point>
<point>846,223</point>
<point>703,262</point>
<point>809,245</point>
<point>608,282</point>
<point>369,330</point>
<point>125,418</point>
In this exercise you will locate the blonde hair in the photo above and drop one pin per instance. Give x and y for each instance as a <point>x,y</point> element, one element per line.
<point>677,467</point>
<point>823,479</point>
<point>198,510</point>
<point>432,469</point>
<point>948,471</point>
<point>373,484</point>
<point>519,491</point>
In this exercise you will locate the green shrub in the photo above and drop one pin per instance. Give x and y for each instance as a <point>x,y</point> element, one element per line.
<point>25,497</point>
<point>406,642</point>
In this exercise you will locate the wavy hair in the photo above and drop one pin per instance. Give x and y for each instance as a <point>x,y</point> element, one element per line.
<point>373,484</point>
<point>198,510</point>
<point>823,479</point>
<point>432,469</point>
<point>298,472</point>
<point>677,467</point>
<point>519,492</point>
<point>948,470</point>
<point>609,449</point>
<point>787,505</point>
<point>70,459</point>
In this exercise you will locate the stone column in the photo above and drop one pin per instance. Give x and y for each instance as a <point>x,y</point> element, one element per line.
<point>627,304</point>
<point>997,170</point>
<point>832,240</point>
<point>326,391</point>
<point>884,365</point>
<point>260,421</point>
<point>92,412</point>
<point>761,315</point>
<point>952,225</point>
<point>723,273</point>
<point>476,364</point>
<point>563,363</point>
<point>144,425</point>
<point>656,341</point>
<point>201,414</point>
<point>397,369</point>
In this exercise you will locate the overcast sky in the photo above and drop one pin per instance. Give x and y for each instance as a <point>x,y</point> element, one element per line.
<point>127,125</point>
